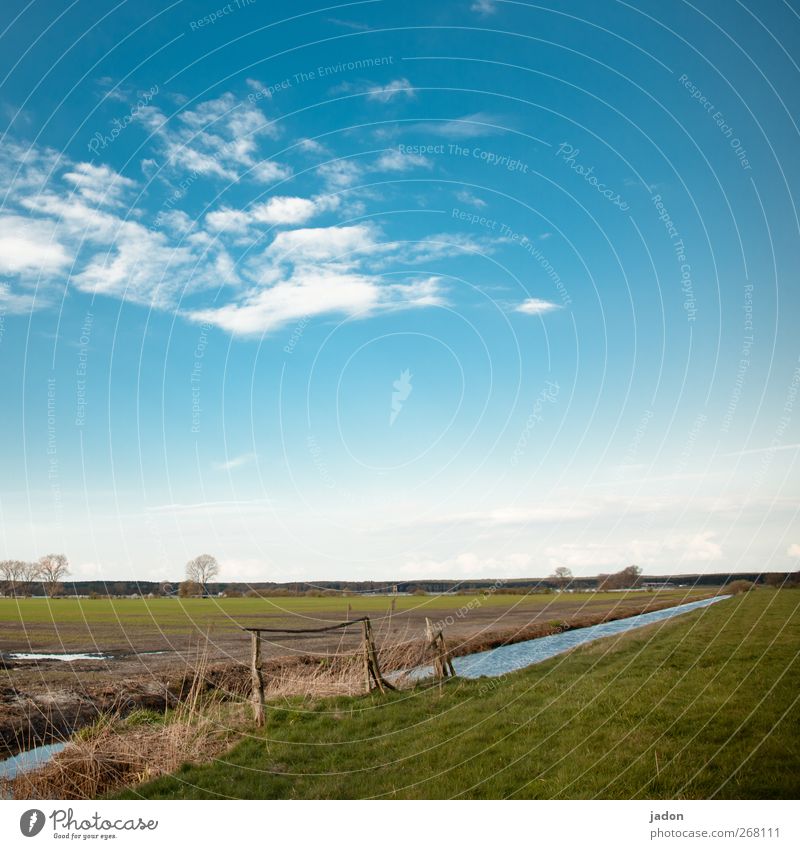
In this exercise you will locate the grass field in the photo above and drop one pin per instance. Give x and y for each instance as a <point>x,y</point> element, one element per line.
<point>177,611</point>
<point>30,623</point>
<point>702,706</point>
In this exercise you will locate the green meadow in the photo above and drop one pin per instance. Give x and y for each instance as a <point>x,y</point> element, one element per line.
<point>24,620</point>
<point>704,705</point>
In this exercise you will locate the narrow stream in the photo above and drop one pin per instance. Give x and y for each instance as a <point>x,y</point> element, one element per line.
<point>503,659</point>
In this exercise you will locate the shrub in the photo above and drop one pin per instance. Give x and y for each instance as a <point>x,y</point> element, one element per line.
<point>736,587</point>
<point>189,589</point>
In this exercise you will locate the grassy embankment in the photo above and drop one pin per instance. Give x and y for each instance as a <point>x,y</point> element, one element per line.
<point>704,705</point>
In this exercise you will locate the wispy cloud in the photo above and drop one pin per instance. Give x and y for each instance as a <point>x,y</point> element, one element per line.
<point>354,25</point>
<point>393,160</point>
<point>82,219</point>
<point>396,88</point>
<point>235,462</point>
<point>794,446</point>
<point>536,306</point>
<point>463,196</point>
<point>474,125</point>
<point>217,138</point>
<point>204,508</point>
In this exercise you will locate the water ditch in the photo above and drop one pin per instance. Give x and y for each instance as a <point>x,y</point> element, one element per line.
<point>510,658</point>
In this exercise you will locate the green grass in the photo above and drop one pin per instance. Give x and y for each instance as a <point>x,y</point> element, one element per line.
<point>34,620</point>
<point>704,705</point>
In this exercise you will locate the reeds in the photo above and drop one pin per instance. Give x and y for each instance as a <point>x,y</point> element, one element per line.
<point>119,750</point>
<point>340,671</point>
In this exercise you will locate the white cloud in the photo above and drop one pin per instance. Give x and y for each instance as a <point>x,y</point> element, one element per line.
<point>464,196</point>
<point>226,220</point>
<point>73,221</point>
<point>98,184</point>
<point>268,171</point>
<point>30,246</point>
<point>484,7</point>
<point>339,174</point>
<point>216,138</point>
<point>311,146</point>
<point>319,244</point>
<point>140,265</point>
<point>396,88</point>
<point>794,550</point>
<point>393,160</point>
<point>178,222</point>
<point>276,211</point>
<point>698,548</point>
<point>25,171</point>
<point>307,292</point>
<point>435,247</point>
<point>536,306</point>
<point>675,550</point>
<point>11,302</point>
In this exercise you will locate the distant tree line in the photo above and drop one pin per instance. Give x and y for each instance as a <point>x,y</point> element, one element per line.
<point>626,579</point>
<point>20,577</point>
<point>47,576</point>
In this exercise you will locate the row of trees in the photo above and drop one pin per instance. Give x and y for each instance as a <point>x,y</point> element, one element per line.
<point>19,577</point>
<point>622,580</point>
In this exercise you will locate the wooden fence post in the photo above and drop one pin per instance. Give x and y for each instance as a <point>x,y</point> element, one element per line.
<point>365,632</point>
<point>258,679</point>
<point>372,668</point>
<point>442,664</point>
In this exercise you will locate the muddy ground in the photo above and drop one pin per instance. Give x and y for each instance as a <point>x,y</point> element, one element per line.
<point>41,700</point>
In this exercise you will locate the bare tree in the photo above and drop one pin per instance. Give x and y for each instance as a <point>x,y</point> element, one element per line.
<point>563,577</point>
<point>29,573</point>
<point>53,568</point>
<point>202,569</point>
<point>11,574</point>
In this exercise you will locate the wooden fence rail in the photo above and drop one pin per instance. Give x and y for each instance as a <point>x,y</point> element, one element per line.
<point>372,670</point>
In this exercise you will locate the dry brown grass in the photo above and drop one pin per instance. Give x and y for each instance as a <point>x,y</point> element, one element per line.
<point>117,751</point>
<point>340,672</point>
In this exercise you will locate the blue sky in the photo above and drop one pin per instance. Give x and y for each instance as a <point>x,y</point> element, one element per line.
<point>388,289</point>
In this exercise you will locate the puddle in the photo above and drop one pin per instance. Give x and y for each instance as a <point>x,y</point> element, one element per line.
<point>26,761</point>
<point>21,655</point>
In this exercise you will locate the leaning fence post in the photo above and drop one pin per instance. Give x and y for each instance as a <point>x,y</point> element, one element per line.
<point>366,655</point>
<point>448,662</point>
<point>258,679</point>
